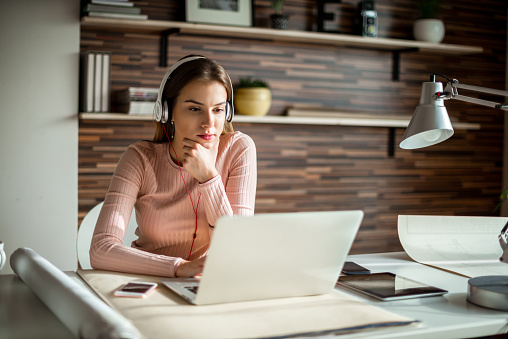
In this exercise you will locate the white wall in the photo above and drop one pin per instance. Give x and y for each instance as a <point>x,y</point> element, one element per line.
<point>504,207</point>
<point>39,64</point>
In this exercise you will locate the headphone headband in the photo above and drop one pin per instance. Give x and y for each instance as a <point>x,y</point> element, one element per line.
<point>161,109</point>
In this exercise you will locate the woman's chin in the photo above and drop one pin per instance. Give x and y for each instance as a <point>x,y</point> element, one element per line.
<point>208,143</point>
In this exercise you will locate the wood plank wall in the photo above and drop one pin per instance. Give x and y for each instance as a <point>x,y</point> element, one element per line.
<point>324,167</point>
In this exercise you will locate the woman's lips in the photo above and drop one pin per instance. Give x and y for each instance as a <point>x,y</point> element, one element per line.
<point>206,137</point>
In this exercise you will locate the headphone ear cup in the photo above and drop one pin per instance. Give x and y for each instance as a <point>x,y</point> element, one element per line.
<point>165,112</point>
<point>157,111</point>
<point>229,111</point>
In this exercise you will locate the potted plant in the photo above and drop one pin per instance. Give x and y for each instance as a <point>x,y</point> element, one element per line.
<point>502,198</point>
<point>252,97</point>
<point>428,27</point>
<point>278,20</point>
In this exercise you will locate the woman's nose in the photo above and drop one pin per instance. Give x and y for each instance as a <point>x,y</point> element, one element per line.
<point>207,118</point>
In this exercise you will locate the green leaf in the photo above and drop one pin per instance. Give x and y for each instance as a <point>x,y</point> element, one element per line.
<point>248,82</point>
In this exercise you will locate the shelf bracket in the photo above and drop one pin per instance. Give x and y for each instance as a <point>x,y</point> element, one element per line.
<point>396,62</point>
<point>163,61</point>
<point>391,142</point>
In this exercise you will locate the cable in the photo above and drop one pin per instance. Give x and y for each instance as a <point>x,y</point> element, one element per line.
<point>192,202</point>
<point>433,78</point>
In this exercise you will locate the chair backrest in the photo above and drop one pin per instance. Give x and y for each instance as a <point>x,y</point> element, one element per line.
<point>86,230</point>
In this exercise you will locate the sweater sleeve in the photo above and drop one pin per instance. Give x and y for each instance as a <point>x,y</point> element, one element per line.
<point>107,251</point>
<point>235,194</point>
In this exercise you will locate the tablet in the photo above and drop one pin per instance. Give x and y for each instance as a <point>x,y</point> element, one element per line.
<point>388,286</point>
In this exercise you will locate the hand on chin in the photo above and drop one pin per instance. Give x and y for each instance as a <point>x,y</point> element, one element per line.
<point>199,158</point>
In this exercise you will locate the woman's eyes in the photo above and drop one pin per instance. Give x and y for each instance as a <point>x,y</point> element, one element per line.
<point>216,110</point>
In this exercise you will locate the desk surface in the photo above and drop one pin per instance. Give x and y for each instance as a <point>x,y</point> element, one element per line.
<point>449,316</point>
<point>23,315</point>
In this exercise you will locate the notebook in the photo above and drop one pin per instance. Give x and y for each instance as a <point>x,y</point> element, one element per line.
<point>268,256</point>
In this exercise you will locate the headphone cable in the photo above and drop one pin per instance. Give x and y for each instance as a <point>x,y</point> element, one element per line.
<point>192,202</point>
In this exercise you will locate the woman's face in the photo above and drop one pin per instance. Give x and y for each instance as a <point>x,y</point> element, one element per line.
<point>199,112</point>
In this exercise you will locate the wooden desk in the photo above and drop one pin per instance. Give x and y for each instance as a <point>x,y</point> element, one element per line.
<point>23,315</point>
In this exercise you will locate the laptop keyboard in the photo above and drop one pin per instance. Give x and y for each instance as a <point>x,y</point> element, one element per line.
<point>193,289</point>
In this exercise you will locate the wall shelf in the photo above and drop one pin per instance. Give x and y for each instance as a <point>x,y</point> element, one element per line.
<point>356,120</point>
<point>315,38</point>
<point>167,28</point>
<point>395,46</point>
<point>345,120</point>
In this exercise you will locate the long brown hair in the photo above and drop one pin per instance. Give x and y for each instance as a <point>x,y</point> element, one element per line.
<point>203,69</point>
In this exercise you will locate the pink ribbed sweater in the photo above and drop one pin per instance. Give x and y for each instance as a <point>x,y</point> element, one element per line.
<point>146,178</point>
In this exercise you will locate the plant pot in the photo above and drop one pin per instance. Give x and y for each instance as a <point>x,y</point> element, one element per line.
<point>279,21</point>
<point>253,101</point>
<point>429,30</point>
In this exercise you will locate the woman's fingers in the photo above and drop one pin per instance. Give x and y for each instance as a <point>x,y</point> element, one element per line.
<point>200,160</point>
<point>191,268</point>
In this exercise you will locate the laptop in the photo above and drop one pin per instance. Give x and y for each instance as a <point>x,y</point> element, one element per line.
<point>269,256</point>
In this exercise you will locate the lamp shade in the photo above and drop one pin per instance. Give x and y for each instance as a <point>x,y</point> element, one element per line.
<point>430,123</point>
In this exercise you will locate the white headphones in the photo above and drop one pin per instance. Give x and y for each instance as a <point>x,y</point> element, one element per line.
<point>161,109</point>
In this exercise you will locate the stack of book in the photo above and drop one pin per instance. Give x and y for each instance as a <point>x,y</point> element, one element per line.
<point>95,82</point>
<point>118,9</point>
<point>136,100</point>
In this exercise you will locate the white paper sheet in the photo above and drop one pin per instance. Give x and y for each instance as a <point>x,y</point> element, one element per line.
<point>165,315</point>
<point>465,245</point>
<point>79,309</point>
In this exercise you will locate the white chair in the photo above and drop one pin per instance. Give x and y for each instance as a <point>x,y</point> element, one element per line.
<point>85,234</point>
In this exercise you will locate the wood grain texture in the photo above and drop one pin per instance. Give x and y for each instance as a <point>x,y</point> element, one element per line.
<point>320,168</point>
<point>304,168</point>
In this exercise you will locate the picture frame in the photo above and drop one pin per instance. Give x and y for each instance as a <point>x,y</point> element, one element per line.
<point>222,12</point>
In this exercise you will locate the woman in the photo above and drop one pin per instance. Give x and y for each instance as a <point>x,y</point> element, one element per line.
<point>194,171</point>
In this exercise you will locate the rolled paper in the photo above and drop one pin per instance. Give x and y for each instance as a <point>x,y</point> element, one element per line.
<point>78,308</point>
<point>3,256</point>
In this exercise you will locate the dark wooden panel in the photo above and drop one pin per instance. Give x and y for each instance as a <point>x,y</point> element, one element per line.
<point>325,167</point>
<point>320,168</point>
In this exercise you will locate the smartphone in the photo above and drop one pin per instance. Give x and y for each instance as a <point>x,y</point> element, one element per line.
<point>387,286</point>
<point>135,289</point>
<point>353,268</point>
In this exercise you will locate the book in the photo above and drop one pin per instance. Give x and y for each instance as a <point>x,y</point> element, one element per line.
<point>467,246</point>
<point>95,81</point>
<point>136,100</point>
<point>122,3</point>
<point>106,82</point>
<point>112,9</point>
<point>137,94</point>
<point>87,73</point>
<point>118,15</point>
<point>137,108</point>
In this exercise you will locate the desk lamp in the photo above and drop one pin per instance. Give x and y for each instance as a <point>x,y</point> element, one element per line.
<point>430,125</point>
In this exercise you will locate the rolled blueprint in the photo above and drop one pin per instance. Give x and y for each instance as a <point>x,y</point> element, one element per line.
<point>79,309</point>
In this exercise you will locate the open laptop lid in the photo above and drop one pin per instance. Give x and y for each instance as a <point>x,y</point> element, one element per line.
<point>276,255</point>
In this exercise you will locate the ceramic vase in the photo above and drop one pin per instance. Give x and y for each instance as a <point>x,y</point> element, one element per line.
<point>429,30</point>
<point>253,101</point>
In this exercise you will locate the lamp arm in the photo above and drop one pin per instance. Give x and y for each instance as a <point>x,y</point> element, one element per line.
<point>480,102</point>
<point>451,93</point>
<point>481,89</point>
